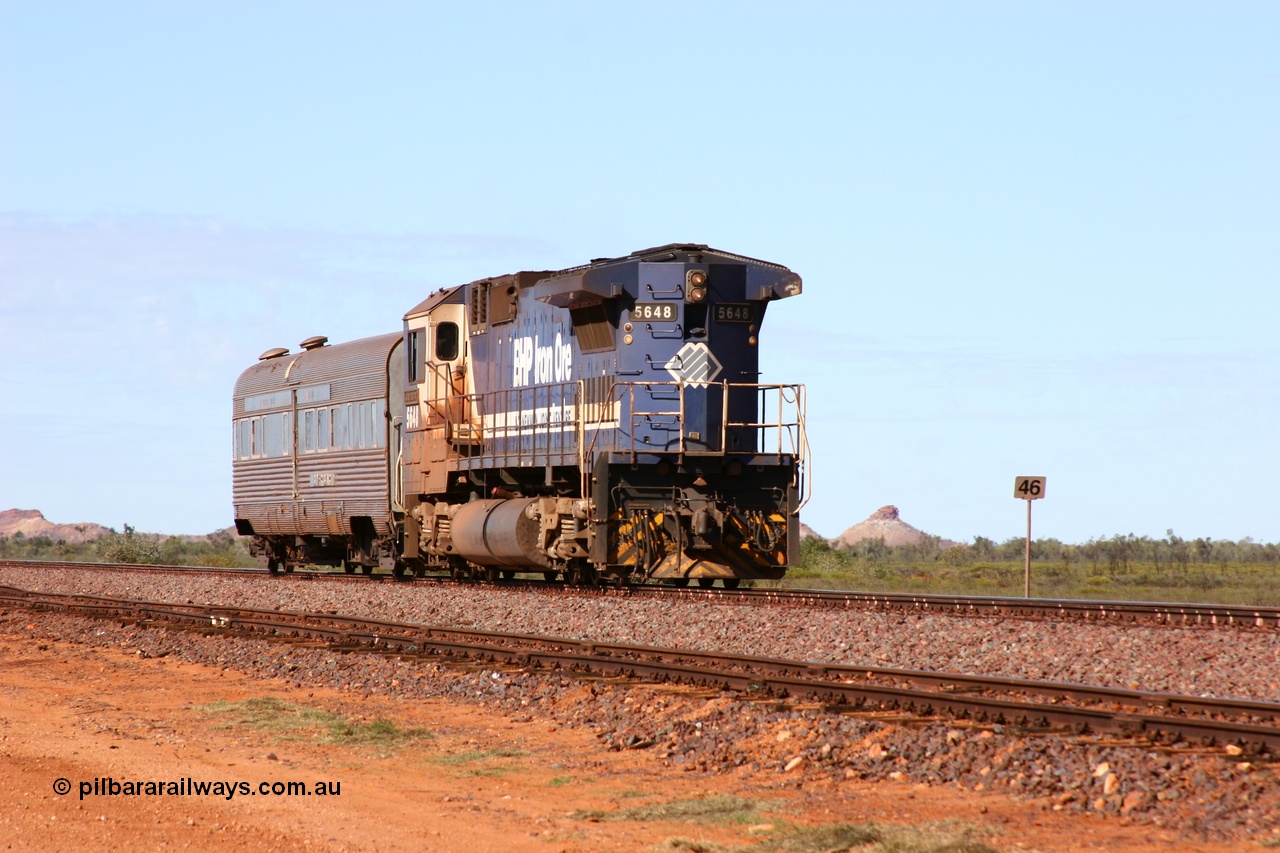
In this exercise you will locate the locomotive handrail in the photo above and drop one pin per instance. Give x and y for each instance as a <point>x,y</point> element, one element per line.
<point>567,411</point>
<point>795,443</point>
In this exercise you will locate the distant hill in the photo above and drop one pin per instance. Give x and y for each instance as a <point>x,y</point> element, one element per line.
<point>807,532</point>
<point>887,524</point>
<point>32,523</point>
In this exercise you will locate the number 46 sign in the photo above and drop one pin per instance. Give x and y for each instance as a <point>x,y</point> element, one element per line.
<point>1028,488</point>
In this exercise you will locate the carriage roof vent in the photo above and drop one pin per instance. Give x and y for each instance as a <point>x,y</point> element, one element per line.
<point>273,353</point>
<point>314,342</point>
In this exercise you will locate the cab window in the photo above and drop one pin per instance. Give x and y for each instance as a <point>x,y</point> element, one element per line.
<point>446,342</point>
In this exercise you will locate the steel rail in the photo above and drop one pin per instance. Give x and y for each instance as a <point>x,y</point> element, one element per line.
<point>1129,712</point>
<point>1171,614</point>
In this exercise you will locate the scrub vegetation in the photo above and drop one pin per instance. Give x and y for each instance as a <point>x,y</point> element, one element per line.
<point>222,548</point>
<point>1119,568</point>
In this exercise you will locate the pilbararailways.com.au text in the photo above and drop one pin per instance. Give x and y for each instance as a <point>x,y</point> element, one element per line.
<point>188,787</point>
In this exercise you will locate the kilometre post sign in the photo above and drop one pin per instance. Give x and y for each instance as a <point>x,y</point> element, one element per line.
<point>1028,488</point>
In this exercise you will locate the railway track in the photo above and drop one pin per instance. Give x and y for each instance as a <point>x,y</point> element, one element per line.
<point>1036,707</point>
<point>1178,614</point>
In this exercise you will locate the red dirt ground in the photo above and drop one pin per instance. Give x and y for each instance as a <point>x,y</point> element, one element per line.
<point>78,713</point>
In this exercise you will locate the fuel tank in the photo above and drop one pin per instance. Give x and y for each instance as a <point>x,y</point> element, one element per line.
<point>499,533</point>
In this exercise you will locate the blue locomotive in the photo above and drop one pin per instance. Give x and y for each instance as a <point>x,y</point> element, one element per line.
<point>604,422</point>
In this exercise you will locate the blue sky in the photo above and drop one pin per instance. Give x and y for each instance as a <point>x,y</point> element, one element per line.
<point>1036,238</point>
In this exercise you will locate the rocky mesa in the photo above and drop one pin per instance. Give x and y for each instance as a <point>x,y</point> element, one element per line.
<point>885,523</point>
<point>32,523</point>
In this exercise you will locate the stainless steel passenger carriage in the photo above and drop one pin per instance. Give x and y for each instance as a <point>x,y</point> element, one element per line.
<point>315,445</point>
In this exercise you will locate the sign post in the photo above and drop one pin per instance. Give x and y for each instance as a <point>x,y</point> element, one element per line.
<point>1028,489</point>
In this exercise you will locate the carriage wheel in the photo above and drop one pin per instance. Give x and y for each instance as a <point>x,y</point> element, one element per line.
<point>273,566</point>
<point>550,577</point>
<point>706,583</point>
<point>732,583</point>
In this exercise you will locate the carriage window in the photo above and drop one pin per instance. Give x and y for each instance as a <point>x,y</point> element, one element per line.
<point>379,413</point>
<point>322,429</point>
<point>273,433</point>
<point>340,440</point>
<point>446,341</point>
<point>263,436</point>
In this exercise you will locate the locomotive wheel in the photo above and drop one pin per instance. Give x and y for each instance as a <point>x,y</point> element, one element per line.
<point>348,568</point>
<point>706,583</point>
<point>508,574</point>
<point>273,567</point>
<point>732,583</point>
<point>490,574</point>
<point>550,577</point>
<point>398,569</point>
<point>368,570</point>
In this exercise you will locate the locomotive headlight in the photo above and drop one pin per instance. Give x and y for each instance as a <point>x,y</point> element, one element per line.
<point>695,285</point>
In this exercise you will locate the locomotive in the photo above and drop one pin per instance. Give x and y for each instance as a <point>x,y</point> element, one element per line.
<point>599,423</point>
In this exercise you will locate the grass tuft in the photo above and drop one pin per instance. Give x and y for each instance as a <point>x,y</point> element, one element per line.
<point>288,721</point>
<point>482,762</point>
<point>720,809</point>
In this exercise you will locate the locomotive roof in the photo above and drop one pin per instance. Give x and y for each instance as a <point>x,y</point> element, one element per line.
<point>779,281</point>
<point>671,252</point>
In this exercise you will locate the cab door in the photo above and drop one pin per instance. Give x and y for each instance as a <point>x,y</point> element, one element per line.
<point>449,382</point>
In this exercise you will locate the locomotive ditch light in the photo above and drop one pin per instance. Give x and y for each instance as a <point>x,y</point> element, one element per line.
<point>695,285</point>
